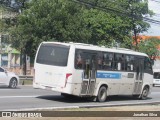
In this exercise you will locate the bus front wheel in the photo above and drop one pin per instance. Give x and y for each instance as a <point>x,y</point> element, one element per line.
<point>102,94</point>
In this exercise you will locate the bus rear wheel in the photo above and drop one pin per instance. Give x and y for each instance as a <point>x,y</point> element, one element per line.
<point>102,94</point>
<point>145,93</point>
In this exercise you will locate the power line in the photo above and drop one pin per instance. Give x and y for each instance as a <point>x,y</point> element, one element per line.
<point>106,8</point>
<point>151,20</point>
<point>117,11</point>
<point>156,1</point>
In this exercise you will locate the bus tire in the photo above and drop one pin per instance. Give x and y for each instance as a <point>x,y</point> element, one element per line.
<point>102,94</point>
<point>144,94</point>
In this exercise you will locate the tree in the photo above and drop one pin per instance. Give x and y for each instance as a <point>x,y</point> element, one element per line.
<point>95,21</point>
<point>150,47</point>
<point>3,25</point>
<point>9,15</point>
<point>105,28</point>
<point>129,14</point>
<point>47,20</point>
<point>137,9</point>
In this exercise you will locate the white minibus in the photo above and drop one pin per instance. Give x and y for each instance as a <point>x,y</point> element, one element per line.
<point>91,71</point>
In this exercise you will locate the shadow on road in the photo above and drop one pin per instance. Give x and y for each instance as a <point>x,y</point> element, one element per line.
<point>6,87</point>
<point>60,98</point>
<point>74,99</point>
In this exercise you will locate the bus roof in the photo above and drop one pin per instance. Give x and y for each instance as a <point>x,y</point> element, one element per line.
<point>100,48</point>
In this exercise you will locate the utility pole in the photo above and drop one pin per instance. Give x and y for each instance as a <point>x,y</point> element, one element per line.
<point>1,17</point>
<point>0,49</point>
<point>133,19</point>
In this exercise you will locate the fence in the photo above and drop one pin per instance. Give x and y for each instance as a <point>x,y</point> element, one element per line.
<point>26,79</point>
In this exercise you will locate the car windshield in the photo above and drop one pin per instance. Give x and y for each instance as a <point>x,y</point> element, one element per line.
<point>156,75</point>
<point>1,69</point>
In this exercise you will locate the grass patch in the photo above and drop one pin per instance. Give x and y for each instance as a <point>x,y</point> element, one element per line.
<point>26,82</point>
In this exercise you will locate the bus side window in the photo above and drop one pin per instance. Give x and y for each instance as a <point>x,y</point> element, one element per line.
<point>107,61</point>
<point>86,68</point>
<point>129,65</point>
<point>119,62</point>
<point>99,61</point>
<point>79,61</point>
<point>147,65</point>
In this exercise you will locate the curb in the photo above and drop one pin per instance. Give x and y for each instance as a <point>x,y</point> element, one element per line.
<point>86,106</point>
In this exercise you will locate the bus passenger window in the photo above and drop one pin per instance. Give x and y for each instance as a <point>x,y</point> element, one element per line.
<point>129,65</point>
<point>147,65</point>
<point>119,62</point>
<point>86,68</point>
<point>99,61</point>
<point>79,61</point>
<point>107,61</point>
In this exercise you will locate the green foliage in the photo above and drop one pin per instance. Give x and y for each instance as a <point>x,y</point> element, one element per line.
<point>103,22</point>
<point>2,21</point>
<point>47,20</point>
<point>149,47</point>
<point>124,16</point>
<point>105,27</point>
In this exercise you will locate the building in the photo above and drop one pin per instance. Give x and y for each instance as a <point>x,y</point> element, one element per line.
<point>10,57</point>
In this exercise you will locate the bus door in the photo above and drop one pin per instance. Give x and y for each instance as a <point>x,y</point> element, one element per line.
<point>139,67</point>
<point>89,74</point>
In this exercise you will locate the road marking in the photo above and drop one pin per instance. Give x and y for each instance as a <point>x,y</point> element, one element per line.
<point>155,93</point>
<point>19,96</point>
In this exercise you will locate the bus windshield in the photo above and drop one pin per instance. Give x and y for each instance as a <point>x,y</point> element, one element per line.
<point>53,54</point>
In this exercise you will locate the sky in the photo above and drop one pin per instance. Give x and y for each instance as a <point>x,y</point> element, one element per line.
<point>155,28</point>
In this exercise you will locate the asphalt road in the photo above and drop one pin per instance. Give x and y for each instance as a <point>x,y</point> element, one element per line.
<point>27,98</point>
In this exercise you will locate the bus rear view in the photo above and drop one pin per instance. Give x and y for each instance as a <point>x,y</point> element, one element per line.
<point>51,66</point>
<point>91,71</point>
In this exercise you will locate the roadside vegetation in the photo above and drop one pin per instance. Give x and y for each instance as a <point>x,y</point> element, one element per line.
<point>26,82</point>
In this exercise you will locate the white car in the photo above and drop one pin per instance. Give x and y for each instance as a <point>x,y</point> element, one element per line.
<point>9,79</point>
<point>156,79</point>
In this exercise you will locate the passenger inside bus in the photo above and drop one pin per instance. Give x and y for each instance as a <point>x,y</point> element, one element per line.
<point>79,61</point>
<point>107,61</point>
<point>86,68</point>
<point>100,61</point>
